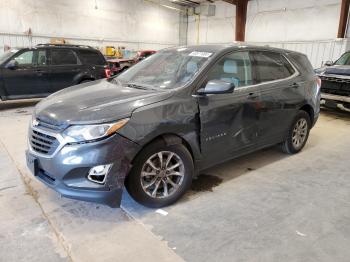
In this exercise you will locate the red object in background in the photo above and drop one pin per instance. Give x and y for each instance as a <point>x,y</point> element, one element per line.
<point>119,65</point>
<point>108,72</point>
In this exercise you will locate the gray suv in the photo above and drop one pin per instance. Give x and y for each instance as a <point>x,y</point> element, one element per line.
<point>161,122</point>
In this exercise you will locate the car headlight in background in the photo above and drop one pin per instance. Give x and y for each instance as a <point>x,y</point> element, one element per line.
<point>81,133</point>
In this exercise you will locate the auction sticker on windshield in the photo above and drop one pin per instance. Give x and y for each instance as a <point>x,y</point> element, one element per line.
<point>200,54</point>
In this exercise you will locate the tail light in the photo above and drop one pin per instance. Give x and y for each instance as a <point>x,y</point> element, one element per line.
<point>108,72</point>
<point>318,81</point>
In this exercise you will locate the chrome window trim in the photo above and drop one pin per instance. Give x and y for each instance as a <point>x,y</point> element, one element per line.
<point>296,73</point>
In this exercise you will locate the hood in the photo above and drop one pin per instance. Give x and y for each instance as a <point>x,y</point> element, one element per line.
<point>337,70</point>
<point>95,102</point>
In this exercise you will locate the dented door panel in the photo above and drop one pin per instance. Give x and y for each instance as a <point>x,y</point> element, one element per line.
<point>229,122</point>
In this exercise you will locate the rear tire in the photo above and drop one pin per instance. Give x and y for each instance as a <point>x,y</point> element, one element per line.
<point>298,134</point>
<point>161,174</point>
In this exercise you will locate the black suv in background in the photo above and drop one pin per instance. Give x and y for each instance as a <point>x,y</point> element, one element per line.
<point>335,89</point>
<point>47,68</point>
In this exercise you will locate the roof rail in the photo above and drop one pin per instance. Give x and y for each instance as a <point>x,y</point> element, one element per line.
<point>68,45</point>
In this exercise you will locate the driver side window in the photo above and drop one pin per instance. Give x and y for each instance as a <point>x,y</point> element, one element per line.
<point>234,68</point>
<point>25,59</point>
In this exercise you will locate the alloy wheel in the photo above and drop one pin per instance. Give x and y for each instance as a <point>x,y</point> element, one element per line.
<point>162,174</point>
<point>299,133</point>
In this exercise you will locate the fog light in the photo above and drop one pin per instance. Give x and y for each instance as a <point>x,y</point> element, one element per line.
<point>98,174</point>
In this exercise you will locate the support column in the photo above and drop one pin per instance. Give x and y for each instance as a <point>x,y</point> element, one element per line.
<point>343,20</point>
<point>241,17</point>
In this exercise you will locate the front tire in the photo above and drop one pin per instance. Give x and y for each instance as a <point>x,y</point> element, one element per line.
<point>298,134</point>
<point>161,174</point>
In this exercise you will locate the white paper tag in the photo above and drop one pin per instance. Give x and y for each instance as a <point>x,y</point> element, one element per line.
<point>200,54</point>
<point>162,212</point>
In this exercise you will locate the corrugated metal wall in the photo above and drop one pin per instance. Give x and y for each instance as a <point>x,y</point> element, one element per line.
<point>17,40</point>
<point>318,51</point>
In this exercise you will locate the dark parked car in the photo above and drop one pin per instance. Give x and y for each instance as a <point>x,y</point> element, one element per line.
<point>170,116</point>
<point>335,90</point>
<point>45,69</point>
<point>119,65</point>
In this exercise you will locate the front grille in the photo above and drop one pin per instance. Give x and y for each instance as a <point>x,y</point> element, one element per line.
<point>42,143</point>
<point>335,79</point>
<point>335,86</point>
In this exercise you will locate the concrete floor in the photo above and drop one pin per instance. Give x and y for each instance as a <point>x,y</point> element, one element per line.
<point>266,206</point>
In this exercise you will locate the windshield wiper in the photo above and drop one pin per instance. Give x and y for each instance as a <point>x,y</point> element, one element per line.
<point>137,86</point>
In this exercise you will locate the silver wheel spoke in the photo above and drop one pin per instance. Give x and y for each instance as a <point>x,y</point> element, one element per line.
<point>154,193</point>
<point>172,183</point>
<point>150,183</point>
<point>170,156</point>
<point>160,156</point>
<point>150,163</point>
<point>148,173</point>
<point>165,186</point>
<point>175,174</point>
<point>173,166</point>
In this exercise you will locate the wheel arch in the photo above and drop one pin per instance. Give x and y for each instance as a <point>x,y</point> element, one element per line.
<point>170,139</point>
<point>85,79</point>
<point>308,109</point>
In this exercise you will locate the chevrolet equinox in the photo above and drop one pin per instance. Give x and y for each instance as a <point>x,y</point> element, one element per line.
<point>177,112</point>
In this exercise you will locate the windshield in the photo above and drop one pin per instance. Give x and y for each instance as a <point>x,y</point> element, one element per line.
<point>7,55</point>
<point>343,60</point>
<point>165,70</point>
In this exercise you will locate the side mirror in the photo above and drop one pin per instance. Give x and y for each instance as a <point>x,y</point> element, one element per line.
<point>328,63</point>
<point>217,87</point>
<point>12,64</point>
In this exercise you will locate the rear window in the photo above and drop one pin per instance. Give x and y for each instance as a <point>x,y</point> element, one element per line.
<point>91,57</point>
<point>63,57</point>
<point>302,63</point>
<point>271,66</point>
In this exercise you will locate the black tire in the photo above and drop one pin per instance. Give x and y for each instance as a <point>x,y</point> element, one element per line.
<point>85,81</point>
<point>134,182</point>
<point>288,146</point>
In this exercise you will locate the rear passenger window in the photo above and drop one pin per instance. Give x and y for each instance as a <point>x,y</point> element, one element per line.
<point>63,57</point>
<point>271,66</point>
<point>91,57</point>
<point>42,59</point>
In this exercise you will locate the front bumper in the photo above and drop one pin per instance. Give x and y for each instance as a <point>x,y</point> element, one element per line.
<point>335,101</point>
<point>67,170</point>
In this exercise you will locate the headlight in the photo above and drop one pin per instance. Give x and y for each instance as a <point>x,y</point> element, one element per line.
<point>80,133</point>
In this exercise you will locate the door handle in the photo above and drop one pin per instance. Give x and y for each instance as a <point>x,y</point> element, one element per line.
<point>252,96</point>
<point>294,85</point>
